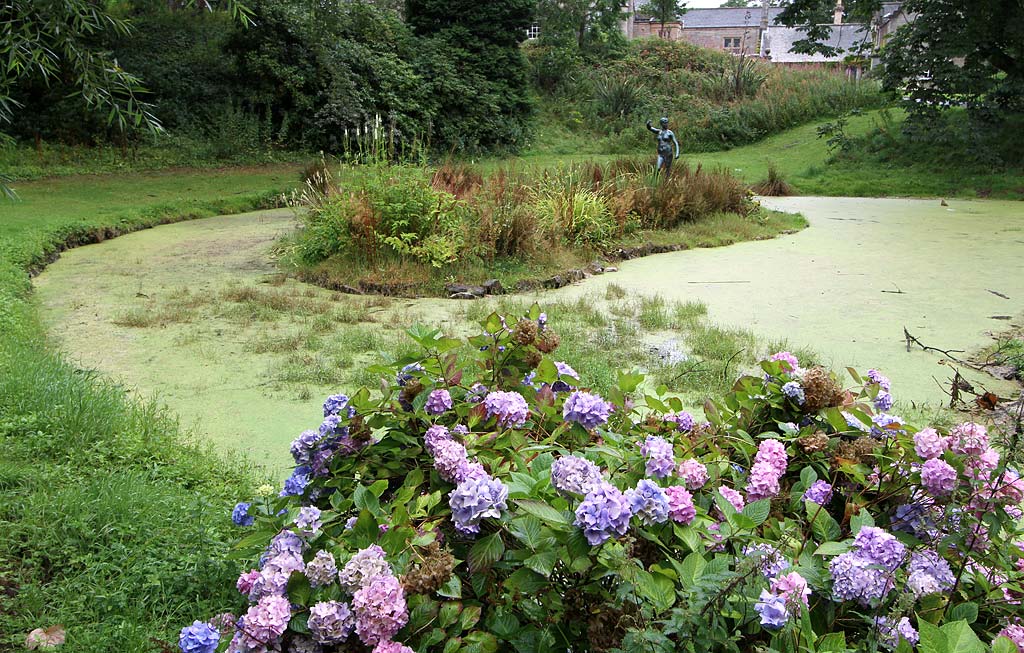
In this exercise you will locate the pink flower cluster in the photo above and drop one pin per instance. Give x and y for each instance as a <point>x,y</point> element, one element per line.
<point>693,472</point>
<point>769,466</point>
<point>680,504</point>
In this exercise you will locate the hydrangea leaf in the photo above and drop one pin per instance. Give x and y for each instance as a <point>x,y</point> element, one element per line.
<point>757,511</point>
<point>691,569</point>
<point>452,589</point>
<point>551,516</point>
<point>932,639</point>
<point>486,552</point>
<point>543,562</point>
<point>1003,644</point>
<point>967,612</point>
<point>961,638</point>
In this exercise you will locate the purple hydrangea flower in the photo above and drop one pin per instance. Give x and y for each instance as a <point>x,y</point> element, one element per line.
<point>732,496</point>
<point>392,647</point>
<point>929,573</point>
<point>890,633</point>
<point>308,519</point>
<point>296,484</point>
<point>929,444</point>
<point>380,609</point>
<point>364,565</point>
<point>879,547</point>
<point>509,407</point>
<point>586,409</point>
<point>247,580</point>
<point>438,402</point>
<point>284,542</point>
<point>912,518</point>
<point>693,472</point>
<point>683,420</point>
<point>474,499</point>
<point>406,374</point>
<point>1015,633</point>
<point>773,453</point>
<point>763,482</point>
<point>330,622</point>
<point>794,391</point>
<point>883,401</point>
<point>300,644</point>
<point>658,452</point>
<point>680,504</point>
<point>265,622</point>
<point>198,638</point>
<point>876,377</point>
<point>938,477</point>
<point>648,502</point>
<point>334,404</point>
<point>542,321</point>
<point>240,515</point>
<point>273,579</point>
<point>603,513</point>
<point>771,563</point>
<point>450,459</point>
<point>303,446</point>
<point>575,475</point>
<point>564,369</point>
<point>772,610</point>
<point>322,569</point>
<point>884,424</point>
<point>854,423</point>
<point>858,578</point>
<point>820,493</point>
<point>434,435</point>
<point>968,439</point>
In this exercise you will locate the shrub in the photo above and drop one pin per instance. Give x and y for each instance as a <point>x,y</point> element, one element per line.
<point>773,184</point>
<point>486,500</point>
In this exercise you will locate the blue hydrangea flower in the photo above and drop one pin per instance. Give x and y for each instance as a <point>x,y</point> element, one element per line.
<point>793,390</point>
<point>648,502</point>
<point>820,493</point>
<point>334,405</point>
<point>772,609</point>
<point>240,515</point>
<point>302,447</point>
<point>296,484</point>
<point>603,513</point>
<point>405,375</point>
<point>474,499</point>
<point>883,401</point>
<point>586,409</point>
<point>198,638</point>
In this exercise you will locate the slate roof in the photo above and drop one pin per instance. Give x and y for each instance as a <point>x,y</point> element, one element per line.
<point>778,40</point>
<point>727,17</point>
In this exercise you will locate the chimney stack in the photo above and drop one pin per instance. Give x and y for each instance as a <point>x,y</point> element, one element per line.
<point>838,17</point>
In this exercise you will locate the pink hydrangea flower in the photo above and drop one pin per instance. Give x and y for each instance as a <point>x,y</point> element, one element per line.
<point>763,482</point>
<point>680,504</point>
<point>773,453</point>
<point>380,609</point>
<point>929,444</point>
<point>792,586</point>
<point>789,361</point>
<point>969,439</point>
<point>938,477</point>
<point>392,647</point>
<point>509,407</point>
<point>732,496</point>
<point>693,472</point>
<point>266,621</point>
<point>246,581</point>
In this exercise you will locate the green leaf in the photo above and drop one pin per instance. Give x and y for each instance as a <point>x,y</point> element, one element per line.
<point>932,640</point>
<point>546,513</point>
<point>492,324</point>
<point>757,511</point>
<point>526,581</point>
<point>366,500</point>
<point>479,641</point>
<point>822,524</point>
<point>542,562</point>
<point>629,381</point>
<point>860,520</point>
<point>452,589</point>
<point>1003,644</point>
<point>808,476</point>
<point>546,372</point>
<point>960,638</point>
<point>660,591</point>
<point>378,488</point>
<point>503,623</point>
<point>452,645</point>
<point>469,617</point>
<point>691,569</point>
<point>967,612</point>
<point>486,552</point>
<point>832,643</point>
<point>689,536</point>
<point>832,548</point>
<point>449,613</point>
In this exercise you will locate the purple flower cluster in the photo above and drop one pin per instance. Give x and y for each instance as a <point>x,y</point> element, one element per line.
<point>882,401</point>
<point>575,475</point>
<point>334,404</point>
<point>322,570</point>
<point>603,513</point>
<point>772,610</point>
<point>308,520</point>
<point>1015,633</point>
<point>879,379</point>
<point>240,515</point>
<point>884,424</point>
<point>330,622</point>
<point>364,565</point>
<point>680,504</point>
<point>586,409</point>
<point>658,453</point>
<point>450,460</point>
<point>439,401</point>
<point>968,439</point>
<point>509,407</point>
<point>732,496</point>
<point>648,502</point>
<point>820,493</point>
<point>792,587</point>
<point>772,562</point>
<point>789,362</point>
<point>769,466</point>
<point>693,472</point>
<point>391,647</point>
<point>865,573</point>
<point>406,373</point>
<point>474,499</point>
<point>889,633</point>
<point>434,436</point>
<point>683,420</point>
<point>794,392</point>
<point>200,637</point>
<point>263,624</point>
<point>938,477</point>
<point>302,447</point>
<point>380,609</point>
<point>929,444</point>
<point>296,484</point>
<point>928,573</point>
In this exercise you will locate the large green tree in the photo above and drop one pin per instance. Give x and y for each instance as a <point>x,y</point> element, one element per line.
<point>953,53</point>
<point>665,11</point>
<point>589,24</point>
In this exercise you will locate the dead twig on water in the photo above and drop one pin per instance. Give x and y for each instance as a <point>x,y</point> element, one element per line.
<point>997,293</point>
<point>948,353</point>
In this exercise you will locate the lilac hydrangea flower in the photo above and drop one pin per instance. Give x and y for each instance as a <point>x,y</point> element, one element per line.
<point>364,565</point>
<point>284,542</point>
<point>322,569</point>
<point>820,493</point>
<point>296,484</point>
<point>575,475</point>
<point>858,578</point>
<point>273,579</point>
<point>913,518</point>
<point>968,439</point>
<point>763,482</point>
<point>693,472</point>
<point>450,459</point>
<point>879,547</point>
<point>883,424</point>
<point>240,515</point>
<point>1015,633</point>
<point>680,504</point>
<point>603,513</point>
<point>890,633</point>
<point>200,637</point>
<point>474,499</point>
<point>380,609</point>
<point>265,622</point>
<point>794,391</point>
<point>564,369</point>
<point>658,452</point>
<point>792,587</point>
<point>883,401</point>
<point>406,373</point>
<point>876,377</point>
<point>330,622</point>
<point>772,452</point>
<point>391,647</point>
<point>732,496</point>
<point>586,409</point>
<point>772,610</point>
<point>303,446</point>
<point>300,644</point>
<point>434,435</point>
<point>439,401</point>
<point>771,563</point>
<point>648,502</point>
<point>247,580</point>
<point>683,420</point>
<point>929,444</point>
<point>334,404</point>
<point>509,407</point>
<point>854,423</point>
<point>789,361</point>
<point>929,573</point>
<point>308,519</point>
<point>938,477</point>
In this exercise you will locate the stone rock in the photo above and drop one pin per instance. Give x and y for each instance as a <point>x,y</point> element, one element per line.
<point>493,287</point>
<point>463,295</point>
<point>525,285</point>
<point>458,288</point>
<point>349,290</point>
<point>611,269</point>
<point>595,267</point>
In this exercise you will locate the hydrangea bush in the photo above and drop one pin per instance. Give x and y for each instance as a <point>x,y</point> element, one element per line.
<point>484,499</point>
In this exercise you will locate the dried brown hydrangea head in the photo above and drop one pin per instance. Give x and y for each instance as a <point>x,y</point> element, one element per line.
<point>533,358</point>
<point>432,572</point>
<point>821,390</point>
<point>813,442</point>
<point>548,341</point>
<point>525,332</point>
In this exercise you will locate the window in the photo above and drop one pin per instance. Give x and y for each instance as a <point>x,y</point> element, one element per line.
<point>533,31</point>
<point>732,43</point>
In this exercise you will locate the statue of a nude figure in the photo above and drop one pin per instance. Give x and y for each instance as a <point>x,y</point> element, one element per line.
<point>665,141</point>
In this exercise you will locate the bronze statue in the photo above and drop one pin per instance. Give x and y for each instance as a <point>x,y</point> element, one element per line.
<point>665,140</point>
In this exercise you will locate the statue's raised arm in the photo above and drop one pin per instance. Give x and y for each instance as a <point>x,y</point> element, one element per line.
<point>651,127</point>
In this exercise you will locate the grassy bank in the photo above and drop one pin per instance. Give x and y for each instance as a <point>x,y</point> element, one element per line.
<point>114,525</point>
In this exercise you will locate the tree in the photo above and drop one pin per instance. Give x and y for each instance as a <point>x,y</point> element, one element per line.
<point>666,11</point>
<point>954,53</point>
<point>587,23</point>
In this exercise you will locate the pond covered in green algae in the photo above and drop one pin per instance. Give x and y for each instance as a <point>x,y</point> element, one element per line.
<point>195,313</point>
<point>848,285</point>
